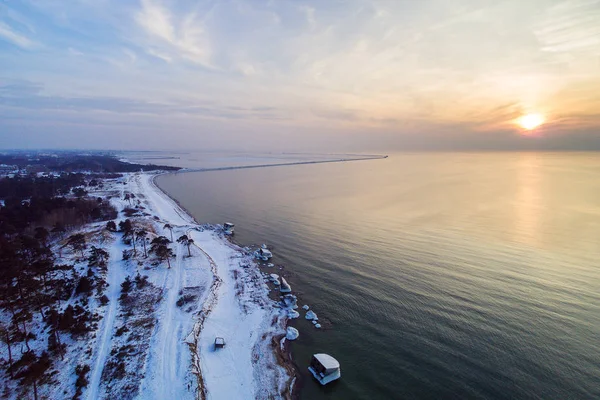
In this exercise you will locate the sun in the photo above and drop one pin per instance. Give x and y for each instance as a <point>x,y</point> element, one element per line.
<point>531,121</point>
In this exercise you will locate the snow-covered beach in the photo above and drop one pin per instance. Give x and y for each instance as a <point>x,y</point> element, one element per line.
<point>154,319</point>
<point>234,305</point>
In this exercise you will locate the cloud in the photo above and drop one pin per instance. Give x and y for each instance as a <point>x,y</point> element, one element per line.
<point>344,115</point>
<point>27,95</point>
<point>570,26</point>
<point>360,65</point>
<point>74,52</point>
<point>15,38</point>
<point>159,55</point>
<point>180,35</point>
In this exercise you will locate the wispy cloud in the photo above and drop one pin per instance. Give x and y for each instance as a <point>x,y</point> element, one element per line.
<point>180,35</point>
<point>366,65</point>
<point>18,39</point>
<point>28,95</point>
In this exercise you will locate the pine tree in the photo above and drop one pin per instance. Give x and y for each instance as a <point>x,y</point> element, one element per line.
<point>141,235</point>
<point>77,242</point>
<point>170,228</point>
<point>187,241</point>
<point>159,247</point>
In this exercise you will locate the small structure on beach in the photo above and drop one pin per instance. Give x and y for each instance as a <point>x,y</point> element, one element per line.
<point>219,343</point>
<point>228,228</point>
<point>324,368</point>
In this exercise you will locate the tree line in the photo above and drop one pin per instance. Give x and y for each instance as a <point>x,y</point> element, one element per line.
<point>35,286</point>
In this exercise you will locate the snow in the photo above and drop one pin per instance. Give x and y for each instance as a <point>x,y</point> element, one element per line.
<point>115,276</point>
<point>169,358</point>
<point>175,357</point>
<point>292,333</point>
<point>305,307</point>
<point>327,361</point>
<point>232,302</point>
<point>241,318</point>
<point>275,279</point>
<point>311,315</point>
<point>285,287</point>
<point>290,301</point>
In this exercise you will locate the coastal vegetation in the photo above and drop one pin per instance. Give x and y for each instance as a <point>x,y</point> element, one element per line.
<point>72,161</point>
<point>53,262</point>
<point>97,296</point>
<point>39,220</point>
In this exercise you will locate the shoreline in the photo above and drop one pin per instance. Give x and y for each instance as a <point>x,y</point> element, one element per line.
<point>281,351</point>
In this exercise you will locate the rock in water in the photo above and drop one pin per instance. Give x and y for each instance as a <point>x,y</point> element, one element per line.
<point>292,333</point>
<point>290,301</point>
<point>285,287</point>
<point>275,279</point>
<point>311,315</point>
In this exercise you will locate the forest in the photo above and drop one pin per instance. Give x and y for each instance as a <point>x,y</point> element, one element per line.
<point>36,214</point>
<point>73,161</point>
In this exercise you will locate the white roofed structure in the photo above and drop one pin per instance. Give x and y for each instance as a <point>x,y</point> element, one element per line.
<point>324,368</point>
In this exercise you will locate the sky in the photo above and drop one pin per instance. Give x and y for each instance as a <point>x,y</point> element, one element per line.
<point>299,75</point>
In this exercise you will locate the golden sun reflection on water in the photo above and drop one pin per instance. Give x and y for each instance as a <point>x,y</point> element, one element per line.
<point>528,199</point>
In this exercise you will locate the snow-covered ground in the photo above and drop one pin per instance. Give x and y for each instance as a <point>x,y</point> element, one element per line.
<point>156,339</point>
<point>230,302</point>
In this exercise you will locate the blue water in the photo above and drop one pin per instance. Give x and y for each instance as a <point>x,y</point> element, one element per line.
<point>436,276</point>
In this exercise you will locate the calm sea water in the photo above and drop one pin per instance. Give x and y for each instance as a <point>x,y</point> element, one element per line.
<point>438,276</point>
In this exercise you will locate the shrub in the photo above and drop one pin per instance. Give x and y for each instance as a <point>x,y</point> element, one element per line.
<point>121,330</point>
<point>141,281</point>
<point>103,300</point>
<point>127,254</point>
<point>81,371</point>
<point>185,299</point>
<point>84,286</point>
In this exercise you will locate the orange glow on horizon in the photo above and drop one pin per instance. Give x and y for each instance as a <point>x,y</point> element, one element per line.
<point>530,122</point>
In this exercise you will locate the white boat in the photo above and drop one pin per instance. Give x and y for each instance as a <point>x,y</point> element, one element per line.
<point>324,368</point>
<point>228,228</point>
<point>263,253</point>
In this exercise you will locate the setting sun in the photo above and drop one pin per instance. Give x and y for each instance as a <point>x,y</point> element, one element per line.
<point>531,121</point>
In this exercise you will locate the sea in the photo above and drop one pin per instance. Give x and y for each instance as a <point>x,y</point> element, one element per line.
<point>434,275</point>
